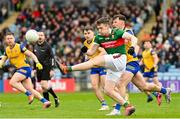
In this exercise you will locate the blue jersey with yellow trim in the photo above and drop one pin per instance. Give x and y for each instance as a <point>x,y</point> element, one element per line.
<point>16,55</point>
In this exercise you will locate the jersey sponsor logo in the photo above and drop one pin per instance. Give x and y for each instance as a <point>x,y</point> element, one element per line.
<point>113,44</point>
<point>116,56</point>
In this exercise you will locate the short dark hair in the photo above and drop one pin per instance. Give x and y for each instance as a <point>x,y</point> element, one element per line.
<point>120,16</point>
<point>103,20</point>
<point>86,28</point>
<point>9,33</point>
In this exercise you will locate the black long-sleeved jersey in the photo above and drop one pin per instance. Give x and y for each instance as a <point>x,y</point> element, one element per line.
<point>44,54</point>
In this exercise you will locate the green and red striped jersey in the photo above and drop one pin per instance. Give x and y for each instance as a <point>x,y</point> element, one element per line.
<point>114,43</point>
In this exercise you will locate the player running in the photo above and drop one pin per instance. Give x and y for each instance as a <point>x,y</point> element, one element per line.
<point>150,61</point>
<point>45,56</point>
<point>21,80</point>
<point>132,72</point>
<point>112,40</point>
<point>98,74</point>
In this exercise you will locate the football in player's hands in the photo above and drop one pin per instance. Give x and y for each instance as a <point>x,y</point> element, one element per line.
<point>131,51</point>
<point>84,49</point>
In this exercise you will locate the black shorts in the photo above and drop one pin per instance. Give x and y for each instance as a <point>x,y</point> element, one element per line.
<point>43,74</point>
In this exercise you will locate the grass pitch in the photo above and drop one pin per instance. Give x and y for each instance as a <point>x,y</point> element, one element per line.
<point>84,105</point>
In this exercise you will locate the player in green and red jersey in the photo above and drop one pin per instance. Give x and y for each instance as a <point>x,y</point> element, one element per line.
<point>112,40</point>
<point>132,72</point>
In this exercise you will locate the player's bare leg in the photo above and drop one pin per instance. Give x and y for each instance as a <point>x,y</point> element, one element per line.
<point>16,82</point>
<point>158,95</point>
<point>123,82</point>
<point>95,81</point>
<point>139,81</point>
<point>110,91</point>
<point>149,97</point>
<point>97,61</point>
<point>121,88</point>
<point>28,85</point>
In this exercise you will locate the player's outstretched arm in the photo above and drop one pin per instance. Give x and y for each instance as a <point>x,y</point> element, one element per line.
<point>33,56</point>
<point>130,37</point>
<point>92,49</point>
<point>156,59</point>
<point>2,60</point>
<point>137,49</point>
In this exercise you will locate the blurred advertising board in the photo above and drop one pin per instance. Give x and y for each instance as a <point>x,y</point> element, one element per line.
<point>173,84</point>
<point>62,85</point>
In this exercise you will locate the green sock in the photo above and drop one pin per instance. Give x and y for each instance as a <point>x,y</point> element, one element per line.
<point>69,68</point>
<point>125,104</point>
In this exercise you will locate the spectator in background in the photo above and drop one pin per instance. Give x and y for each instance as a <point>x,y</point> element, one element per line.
<point>63,25</point>
<point>168,47</point>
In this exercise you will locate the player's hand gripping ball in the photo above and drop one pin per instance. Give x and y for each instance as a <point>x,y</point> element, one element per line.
<point>31,36</point>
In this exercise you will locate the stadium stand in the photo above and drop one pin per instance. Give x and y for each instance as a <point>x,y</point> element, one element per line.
<point>63,25</point>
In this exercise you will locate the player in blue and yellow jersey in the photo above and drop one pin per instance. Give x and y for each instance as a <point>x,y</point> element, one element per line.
<point>21,80</point>
<point>150,61</point>
<point>98,74</point>
<point>132,72</point>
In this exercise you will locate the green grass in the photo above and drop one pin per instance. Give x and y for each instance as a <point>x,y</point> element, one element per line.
<point>83,105</point>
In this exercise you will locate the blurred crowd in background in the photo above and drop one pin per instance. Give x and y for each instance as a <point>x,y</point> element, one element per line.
<point>63,27</point>
<point>9,5</point>
<point>168,47</point>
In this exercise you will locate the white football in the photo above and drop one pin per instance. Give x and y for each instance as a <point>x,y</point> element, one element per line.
<point>32,35</point>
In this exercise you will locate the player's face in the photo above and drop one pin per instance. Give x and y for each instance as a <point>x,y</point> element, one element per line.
<point>103,29</point>
<point>41,37</point>
<point>147,45</point>
<point>117,23</point>
<point>89,34</point>
<point>10,40</point>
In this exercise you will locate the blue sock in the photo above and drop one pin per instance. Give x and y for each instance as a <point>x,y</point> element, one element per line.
<point>28,93</point>
<point>163,91</point>
<point>103,102</point>
<point>155,94</point>
<point>43,100</point>
<point>118,106</point>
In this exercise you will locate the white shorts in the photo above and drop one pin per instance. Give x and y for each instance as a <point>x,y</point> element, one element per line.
<point>116,65</point>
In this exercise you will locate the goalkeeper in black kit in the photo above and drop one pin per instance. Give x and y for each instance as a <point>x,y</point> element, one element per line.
<point>45,56</point>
